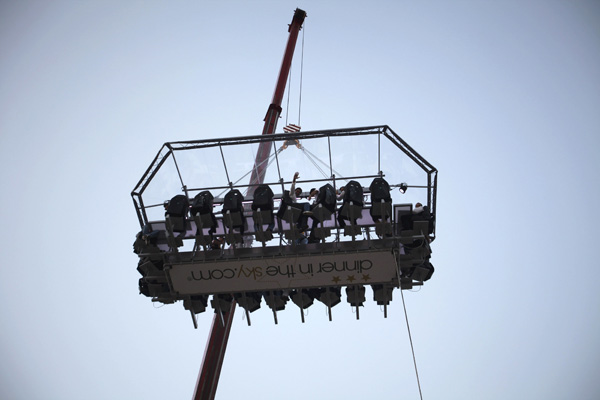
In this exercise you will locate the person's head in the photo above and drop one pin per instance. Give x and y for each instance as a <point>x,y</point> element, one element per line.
<point>217,242</point>
<point>298,191</point>
<point>312,192</point>
<point>418,205</point>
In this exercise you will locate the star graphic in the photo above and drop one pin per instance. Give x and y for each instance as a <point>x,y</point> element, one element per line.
<point>335,279</point>
<point>366,277</point>
<point>350,278</point>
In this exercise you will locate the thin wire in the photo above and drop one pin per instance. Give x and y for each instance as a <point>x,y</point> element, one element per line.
<point>270,161</point>
<point>301,70</point>
<point>411,345</point>
<point>337,174</point>
<point>313,162</point>
<point>289,90</point>
<point>330,160</point>
<point>277,159</point>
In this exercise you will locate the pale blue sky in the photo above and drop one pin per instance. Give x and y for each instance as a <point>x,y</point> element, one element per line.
<point>502,97</point>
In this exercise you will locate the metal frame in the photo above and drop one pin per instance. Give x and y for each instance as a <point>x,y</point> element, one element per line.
<point>170,148</point>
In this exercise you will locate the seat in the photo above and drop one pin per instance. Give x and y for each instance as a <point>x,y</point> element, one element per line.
<point>157,289</point>
<point>260,219</point>
<point>422,272</point>
<point>202,212</point>
<point>221,302</point>
<point>276,300</point>
<point>148,268</point>
<point>351,212</point>
<point>323,211</point>
<point>233,216</point>
<point>196,304</point>
<point>248,301</point>
<point>330,296</point>
<point>262,213</point>
<point>321,214</point>
<point>204,221</point>
<point>177,210</point>
<point>291,216</point>
<point>233,220</point>
<point>382,294</point>
<point>420,228</point>
<point>402,217</point>
<point>303,298</point>
<point>351,209</point>
<point>173,241</point>
<point>381,213</point>
<point>381,206</point>
<point>355,295</point>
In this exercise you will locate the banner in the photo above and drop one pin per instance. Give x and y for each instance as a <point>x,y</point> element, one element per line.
<point>315,270</point>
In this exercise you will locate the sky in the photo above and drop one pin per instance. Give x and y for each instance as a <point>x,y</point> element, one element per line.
<point>501,97</point>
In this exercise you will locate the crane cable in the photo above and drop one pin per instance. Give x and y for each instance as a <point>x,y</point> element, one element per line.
<point>287,108</point>
<point>269,161</point>
<point>308,154</point>
<point>301,70</point>
<point>411,345</point>
<point>412,348</point>
<point>289,90</point>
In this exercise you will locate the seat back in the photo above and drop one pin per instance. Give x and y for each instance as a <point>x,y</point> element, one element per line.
<point>177,210</point>
<point>202,203</point>
<point>286,200</point>
<point>353,192</point>
<point>326,197</point>
<point>403,217</point>
<point>381,210</point>
<point>380,190</point>
<point>263,198</point>
<point>233,201</point>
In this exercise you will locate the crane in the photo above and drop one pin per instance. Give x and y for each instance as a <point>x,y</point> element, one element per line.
<point>384,245</point>
<point>208,378</point>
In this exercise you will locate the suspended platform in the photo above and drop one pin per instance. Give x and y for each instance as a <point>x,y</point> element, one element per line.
<point>208,235</point>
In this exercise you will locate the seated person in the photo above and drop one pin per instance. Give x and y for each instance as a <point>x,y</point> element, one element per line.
<point>203,204</point>
<point>177,209</point>
<point>419,213</point>
<point>263,200</point>
<point>148,235</point>
<point>313,194</point>
<point>295,193</point>
<point>217,243</point>
<point>352,192</point>
<point>380,192</point>
<point>325,197</point>
<point>233,202</point>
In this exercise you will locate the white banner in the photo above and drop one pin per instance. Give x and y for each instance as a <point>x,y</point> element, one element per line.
<point>316,270</point>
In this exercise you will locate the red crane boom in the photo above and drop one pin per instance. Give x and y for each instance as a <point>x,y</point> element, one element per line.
<point>274,110</point>
<point>208,378</point>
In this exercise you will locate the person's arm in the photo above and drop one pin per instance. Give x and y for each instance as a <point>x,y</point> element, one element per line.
<point>293,187</point>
